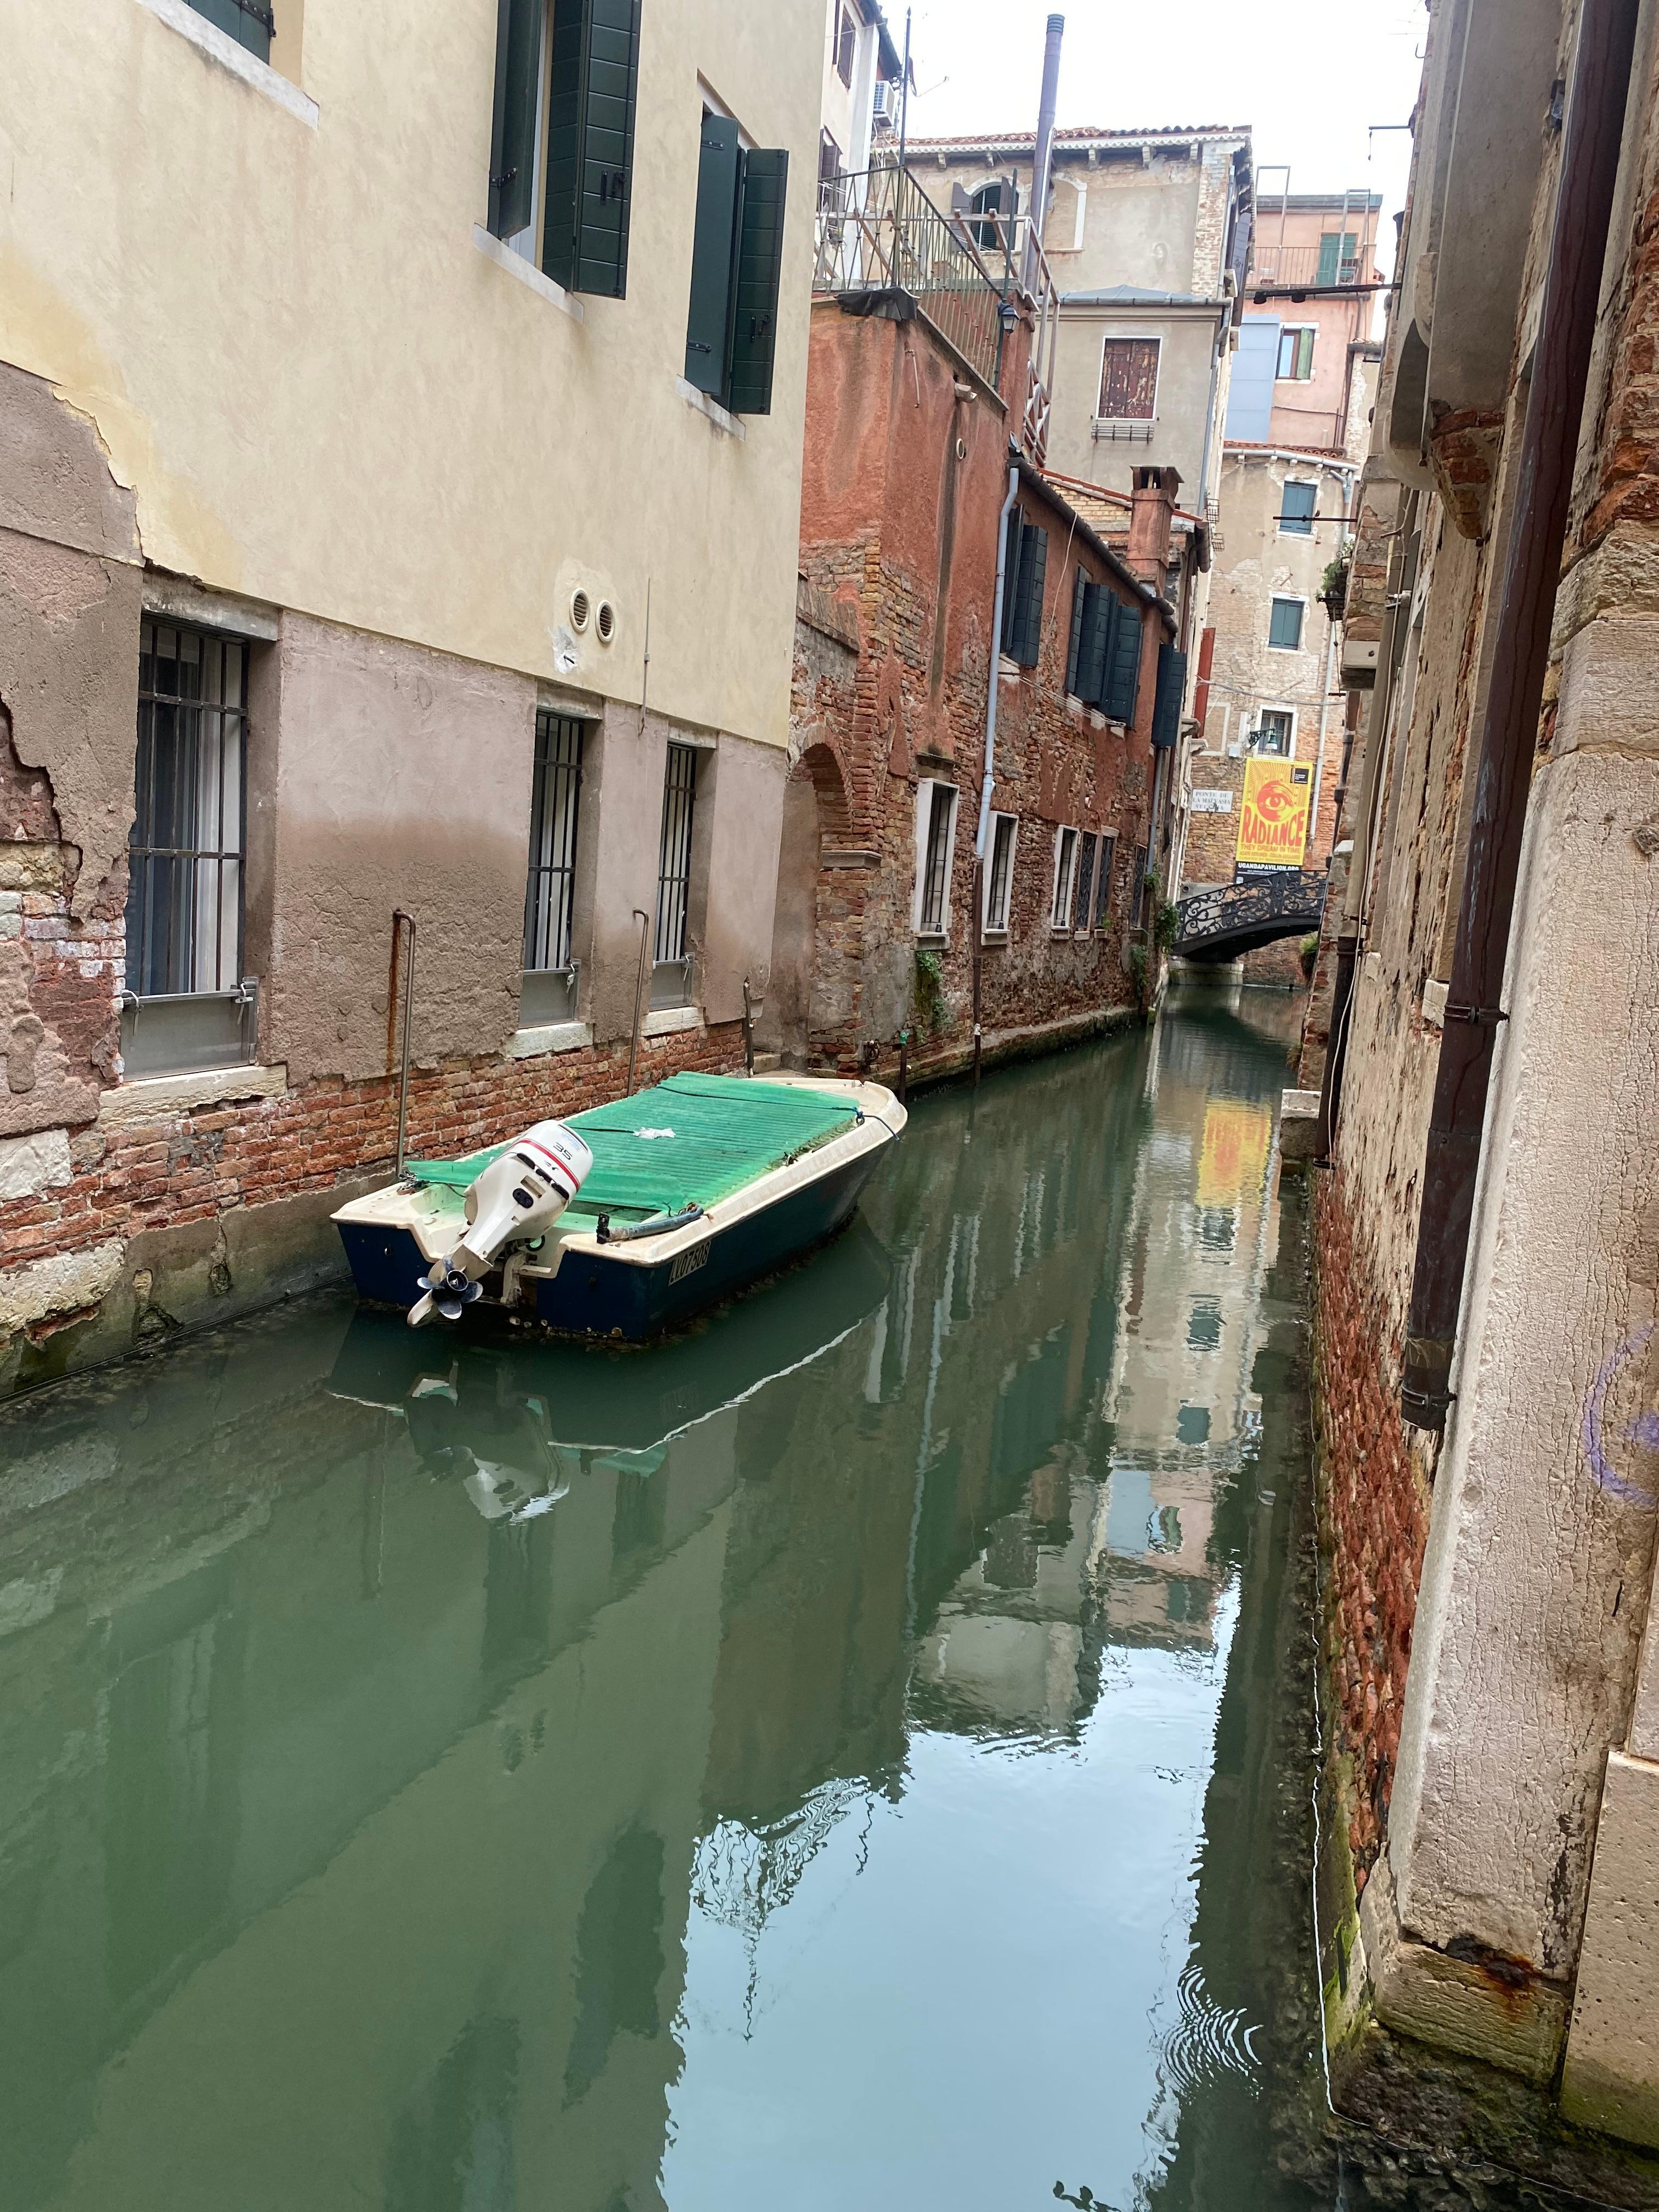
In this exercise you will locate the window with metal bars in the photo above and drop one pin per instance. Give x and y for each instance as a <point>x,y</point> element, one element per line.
<point>1065,870</point>
<point>248,21</point>
<point>679,795</point>
<point>1103,881</point>
<point>935,912</point>
<point>184,857</point>
<point>549,987</point>
<point>1085,881</point>
<point>999,882</point>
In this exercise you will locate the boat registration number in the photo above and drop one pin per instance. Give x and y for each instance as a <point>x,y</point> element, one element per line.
<point>689,1262</point>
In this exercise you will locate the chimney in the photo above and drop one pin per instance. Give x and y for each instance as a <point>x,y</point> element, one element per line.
<point>1045,138</point>
<point>1151,524</point>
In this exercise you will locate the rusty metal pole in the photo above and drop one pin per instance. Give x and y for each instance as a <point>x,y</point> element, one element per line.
<point>644,921</point>
<point>1549,445</point>
<point>398,938</point>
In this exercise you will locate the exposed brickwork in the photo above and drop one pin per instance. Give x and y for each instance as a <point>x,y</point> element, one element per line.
<point>1375,1508</point>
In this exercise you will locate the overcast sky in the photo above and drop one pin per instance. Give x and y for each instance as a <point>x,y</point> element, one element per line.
<point>1307,75</point>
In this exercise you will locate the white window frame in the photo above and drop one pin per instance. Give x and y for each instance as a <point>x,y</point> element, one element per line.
<point>1295,330</point>
<point>991,927</point>
<point>1109,337</point>
<point>1080,186</point>
<point>1280,530</point>
<point>1288,598</point>
<point>1273,707</point>
<point>925,789</point>
<point>1066,842</point>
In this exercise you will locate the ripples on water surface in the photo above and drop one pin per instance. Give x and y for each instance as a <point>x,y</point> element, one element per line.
<point>828,1761</point>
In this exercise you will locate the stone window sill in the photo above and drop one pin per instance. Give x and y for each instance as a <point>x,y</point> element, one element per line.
<point>721,417</point>
<point>932,940</point>
<point>153,1095</point>
<point>553,1036</point>
<point>667,1021</point>
<point>218,46</point>
<point>995,937</point>
<point>527,272</point>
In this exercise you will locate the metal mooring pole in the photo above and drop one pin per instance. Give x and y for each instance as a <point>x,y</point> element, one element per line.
<point>399,917</point>
<point>748,1031</point>
<point>644,921</point>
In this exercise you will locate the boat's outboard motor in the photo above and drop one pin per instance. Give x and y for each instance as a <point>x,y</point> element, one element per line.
<point>517,1198</point>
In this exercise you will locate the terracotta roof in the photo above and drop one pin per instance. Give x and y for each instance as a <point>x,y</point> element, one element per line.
<point>971,142</point>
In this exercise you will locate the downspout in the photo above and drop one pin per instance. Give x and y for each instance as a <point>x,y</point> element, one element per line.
<point>1549,443</point>
<point>995,679</point>
<point>1221,327</point>
<point>1043,150</point>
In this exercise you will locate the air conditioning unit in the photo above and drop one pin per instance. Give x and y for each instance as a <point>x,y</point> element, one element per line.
<point>886,106</point>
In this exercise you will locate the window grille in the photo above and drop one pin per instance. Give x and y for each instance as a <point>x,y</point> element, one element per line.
<point>549,990</point>
<point>1085,879</point>
<point>1000,888</point>
<point>679,794</point>
<point>1103,881</point>
<point>1284,625</point>
<point>1065,863</point>
<point>935,875</point>
<point>184,887</point>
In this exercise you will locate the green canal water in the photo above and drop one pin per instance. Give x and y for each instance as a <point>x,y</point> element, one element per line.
<point>856,1756</point>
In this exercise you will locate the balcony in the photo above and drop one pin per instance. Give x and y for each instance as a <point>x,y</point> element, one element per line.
<point>878,232</point>
<point>1310,268</point>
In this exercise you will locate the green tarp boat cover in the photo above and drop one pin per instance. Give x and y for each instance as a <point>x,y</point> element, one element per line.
<point>694,1139</point>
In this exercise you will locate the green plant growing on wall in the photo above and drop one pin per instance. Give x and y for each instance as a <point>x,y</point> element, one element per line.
<point>930,991</point>
<point>1334,584</point>
<point>1308,953</point>
<point>1137,963</point>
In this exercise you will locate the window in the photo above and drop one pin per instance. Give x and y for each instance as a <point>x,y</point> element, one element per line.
<point>1339,254</point>
<point>570,156</point>
<point>1025,565</point>
<point>936,805</point>
<point>1094,615</point>
<point>737,256</point>
<point>989,203</point>
<point>1284,625</point>
<point>1065,868</point>
<point>1128,380</point>
<point>1275,728</point>
<point>1120,689</point>
<point>829,172</point>
<point>847,40</point>
<point>1296,348</point>
<point>679,799</point>
<point>248,21</point>
<point>1085,881</point>
<point>1296,509</point>
<point>185,890</point>
<point>1103,881</point>
<point>549,990</point>
<point>999,878</point>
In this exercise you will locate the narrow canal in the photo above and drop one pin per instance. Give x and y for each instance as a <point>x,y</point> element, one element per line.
<point>844,1759</point>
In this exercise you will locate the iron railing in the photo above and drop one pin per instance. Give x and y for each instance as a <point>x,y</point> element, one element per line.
<point>1292,896</point>
<point>680,796</point>
<point>1301,266</point>
<point>555,811</point>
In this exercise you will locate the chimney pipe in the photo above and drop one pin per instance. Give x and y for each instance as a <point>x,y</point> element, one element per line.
<point>1045,141</point>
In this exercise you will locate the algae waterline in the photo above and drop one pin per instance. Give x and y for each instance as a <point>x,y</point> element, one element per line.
<point>856,1754</point>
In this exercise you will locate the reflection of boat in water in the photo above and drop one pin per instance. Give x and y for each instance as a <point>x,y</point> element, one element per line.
<point>694,1190</point>
<point>516,1422</point>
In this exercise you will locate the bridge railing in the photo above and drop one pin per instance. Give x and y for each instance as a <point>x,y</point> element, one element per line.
<point>1297,900</point>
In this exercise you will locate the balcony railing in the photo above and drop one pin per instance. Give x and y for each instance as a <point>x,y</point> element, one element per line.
<point>1309,267</point>
<point>878,231</point>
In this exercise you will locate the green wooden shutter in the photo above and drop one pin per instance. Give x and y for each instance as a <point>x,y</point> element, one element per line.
<point>1011,583</point>
<point>1121,689</point>
<point>1033,570</point>
<point>1097,645</point>
<point>513,133</point>
<point>764,185</point>
<point>592,88</point>
<point>251,26</point>
<point>1171,691</point>
<point>1082,594</point>
<point>1330,246</point>
<point>709,324</point>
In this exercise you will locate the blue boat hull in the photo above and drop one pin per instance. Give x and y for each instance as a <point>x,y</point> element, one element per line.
<point>600,1295</point>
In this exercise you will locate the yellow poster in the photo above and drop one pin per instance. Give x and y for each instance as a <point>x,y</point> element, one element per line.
<point>1235,1153</point>
<point>1272,819</point>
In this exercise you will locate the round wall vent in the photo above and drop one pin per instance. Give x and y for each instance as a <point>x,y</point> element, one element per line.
<point>605,622</point>
<point>579,611</point>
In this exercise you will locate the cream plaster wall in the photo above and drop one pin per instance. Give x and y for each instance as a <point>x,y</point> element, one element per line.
<point>322,392</point>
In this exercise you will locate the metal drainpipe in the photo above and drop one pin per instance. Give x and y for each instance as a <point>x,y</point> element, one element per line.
<point>1043,150</point>
<point>1549,443</point>
<point>1008,505</point>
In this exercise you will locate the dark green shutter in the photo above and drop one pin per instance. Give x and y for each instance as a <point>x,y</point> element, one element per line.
<point>763,189</point>
<point>1330,246</point>
<point>709,325</point>
<point>513,134</point>
<point>1097,646</point>
<point>1121,689</point>
<point>249,27</point>
<point>1033,569</point>
<point>1011,545</point>
<point>1171,691</point>
<point>590,144</point>
<point>1082,592</point>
